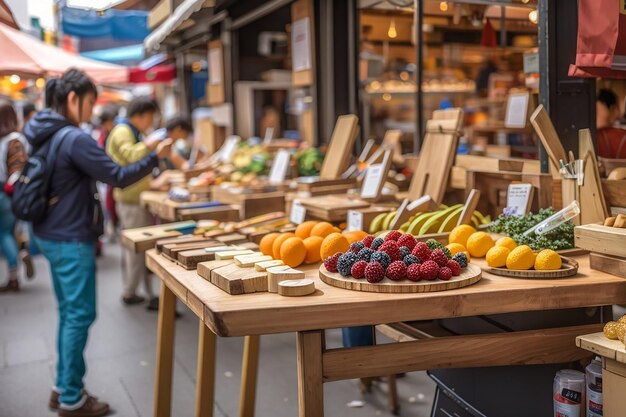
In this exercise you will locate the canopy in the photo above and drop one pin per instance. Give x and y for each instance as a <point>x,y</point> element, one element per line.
<point>162,73</point>
<point>130,54</point>
<point>25,55</point>
<point>131,25</point>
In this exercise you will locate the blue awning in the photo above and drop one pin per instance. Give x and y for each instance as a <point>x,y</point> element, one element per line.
<point>133,53</point>
<point>117,24</point>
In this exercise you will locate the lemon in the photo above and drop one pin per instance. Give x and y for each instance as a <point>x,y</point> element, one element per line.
<point>496,256</point>
<point>547,259</point>
<point>460,234</point>
<point>506,242</point>
<point>456,248</point>
<point>521,258</point>
<point>479,243</point>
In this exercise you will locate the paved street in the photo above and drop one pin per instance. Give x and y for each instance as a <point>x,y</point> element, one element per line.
<point>121,354</point>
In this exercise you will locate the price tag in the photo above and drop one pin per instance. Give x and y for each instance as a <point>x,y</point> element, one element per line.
<point>518,199</point>
<point>372,182</point>
<point>229,148</point>
<point>269,135</point>
<point>355,220</point>
<point>298,212</point>
<point>280,166</point>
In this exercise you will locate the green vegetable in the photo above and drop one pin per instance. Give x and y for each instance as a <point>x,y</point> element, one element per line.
<point>560,238</point>
<point>309,162</point>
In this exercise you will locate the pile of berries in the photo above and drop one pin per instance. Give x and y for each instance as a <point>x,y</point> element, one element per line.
<point>397,257</point>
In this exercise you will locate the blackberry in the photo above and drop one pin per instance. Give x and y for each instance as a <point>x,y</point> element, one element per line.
<point>461,259</point>
<point>404,251</point>
<point>355,247</point>
<point>365,254</point>
<point>376,243</point>
<point>330,263</point>
<point>344,265</point>
<point>396,271</point>
<point>382,258</point>
<point>374,272</point>
<point>433,244</point>
<point>440,257</point>
<point>407,240</point>
<point>411,259</point>
<point>358,269</point>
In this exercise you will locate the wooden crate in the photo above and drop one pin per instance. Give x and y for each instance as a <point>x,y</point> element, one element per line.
<point>610,264</point>
<point>601,239</point>
<point>251,204</point>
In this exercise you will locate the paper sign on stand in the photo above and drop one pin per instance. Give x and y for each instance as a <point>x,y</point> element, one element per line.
<point>355,220</point>
<point>298,212</point>
<point>375,178</point>
<point>227,152</point>
<point>280,166</point>
<point>301,44</point>
<point>518,199</point>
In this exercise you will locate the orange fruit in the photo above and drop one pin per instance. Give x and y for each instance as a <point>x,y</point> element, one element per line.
<point>293,251</point>
<point>279,241</point>
<point>355,236</point>
<point>460,234</point>
<point>333,243</point>
<point>479,243</point>
<point>304,229</point>
<point>312,245</point>
<point>323,229</point>
<point>265,245</point>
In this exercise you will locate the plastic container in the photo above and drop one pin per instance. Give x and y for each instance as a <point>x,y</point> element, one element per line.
<point>569,393</point>
<point>557,219</point>
<point>593,402</point>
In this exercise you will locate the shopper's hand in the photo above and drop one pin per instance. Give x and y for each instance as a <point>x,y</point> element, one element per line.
<point>164,148</point>
<point>152,143</point>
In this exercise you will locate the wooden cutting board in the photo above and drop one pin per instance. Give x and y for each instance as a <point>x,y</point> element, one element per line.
<point>470,275</point>
<point>232,278</point>
<point>601,239</point>
<point>610,264</point>
<point>143,238</point>
<point>569,268</point>
<point>340,148</point>
<point>549,138</point>
<point>437,156</point>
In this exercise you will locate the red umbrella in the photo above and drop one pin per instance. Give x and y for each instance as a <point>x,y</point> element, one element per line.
<point>26,55</point>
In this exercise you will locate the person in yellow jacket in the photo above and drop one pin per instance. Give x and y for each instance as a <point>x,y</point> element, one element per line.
<point>125,146</point>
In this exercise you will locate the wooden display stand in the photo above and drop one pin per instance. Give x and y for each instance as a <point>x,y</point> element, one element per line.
<point>613,370</point>
<point>251,204</point>
<point>159,204</point>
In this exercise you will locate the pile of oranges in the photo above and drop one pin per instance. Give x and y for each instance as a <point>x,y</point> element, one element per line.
<point>310,243</point>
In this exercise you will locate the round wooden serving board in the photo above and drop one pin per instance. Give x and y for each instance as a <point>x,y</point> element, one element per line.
<point>469,276</point>
<point>569,268</point>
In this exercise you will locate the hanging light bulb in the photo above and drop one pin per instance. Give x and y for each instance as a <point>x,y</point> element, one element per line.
<point>533,16</point>
<point>392,33</point>
<point>443,6</point>
<point>15,79</point>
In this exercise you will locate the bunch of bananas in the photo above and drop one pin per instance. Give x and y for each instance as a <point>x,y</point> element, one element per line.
<point>442,220</point>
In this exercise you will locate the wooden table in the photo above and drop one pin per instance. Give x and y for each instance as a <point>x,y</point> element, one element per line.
<point>330,307</point>
<point>159,204</point>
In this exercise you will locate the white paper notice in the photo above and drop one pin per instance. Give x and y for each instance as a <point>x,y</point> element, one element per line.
<point>298,212</point>
<point>301,45</point>
<point>229,148</point>
<point>280,166</point>
<point>518,199</point>
<point>516,110</point>
<point>269,135</point>
<point>355,220</point>
<point>215,66</point>
<point>372,182</point>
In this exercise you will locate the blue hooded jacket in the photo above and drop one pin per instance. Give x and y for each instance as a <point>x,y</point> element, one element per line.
<point>77,215</point>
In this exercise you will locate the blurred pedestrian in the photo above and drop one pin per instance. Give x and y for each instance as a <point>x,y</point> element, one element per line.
<point>70,227</point>
<point>125,145</point>
<point>611,139</point>
<point>107,123</point>
<point>12,159</point>
<point>179,129</point>
<point>28,111</point>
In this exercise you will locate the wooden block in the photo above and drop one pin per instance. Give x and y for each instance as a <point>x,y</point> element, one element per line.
<point>223,248</point>
<point>173,249</point>
<point>277,274</point>
<point>236,280</point>
<point>247,261</point>
<point>231,254</point>
<point>296,287</point>
<point>610,264</point>
<point>592,203</point>
<point>178,239</point>
<point>601,239</point>
<point>205,268</point>
<point>190,259</point>
<point>249,245</point>
<point>232,239</point>
<point>262,266</point>
<point>470,205</point>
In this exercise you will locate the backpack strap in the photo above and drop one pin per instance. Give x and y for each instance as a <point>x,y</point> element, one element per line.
<point>55,143</point>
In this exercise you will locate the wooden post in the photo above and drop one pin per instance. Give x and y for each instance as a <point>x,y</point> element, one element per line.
<point>165,353</point>
<point>310,383</point>
<point>249,370</point>
<point>205,385</point>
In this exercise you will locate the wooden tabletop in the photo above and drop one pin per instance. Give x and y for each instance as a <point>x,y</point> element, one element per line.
<point>330,307</point>
<point>599,344</point>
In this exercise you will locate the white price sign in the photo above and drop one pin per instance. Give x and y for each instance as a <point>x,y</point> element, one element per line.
<point>518,199</point>
<point>298,212</point>
<point>371,183</point>
<point>280,166</point>
<point>355,220</point>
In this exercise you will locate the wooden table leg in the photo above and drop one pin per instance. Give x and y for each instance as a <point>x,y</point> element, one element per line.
<point>165,353</point>
<point>249,370</point>
<point>310,346</point>
<point>205,385</point>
